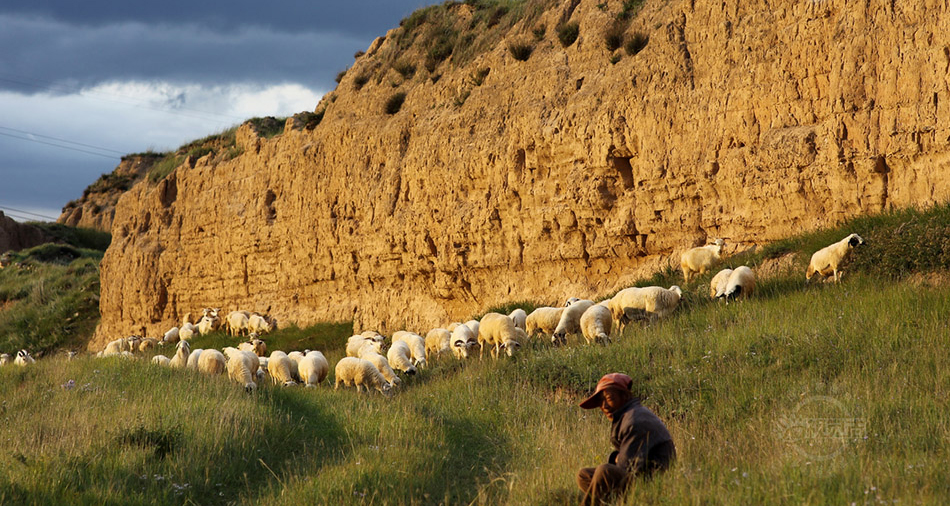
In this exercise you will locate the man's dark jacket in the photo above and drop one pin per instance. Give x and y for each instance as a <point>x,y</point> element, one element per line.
<point>634,432</point>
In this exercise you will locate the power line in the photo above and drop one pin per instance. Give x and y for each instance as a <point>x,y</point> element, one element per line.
<point>111,157</point>
<point>34,134</point>
<point>27,212</point>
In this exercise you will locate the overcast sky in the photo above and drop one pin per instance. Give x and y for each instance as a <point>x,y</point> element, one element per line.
<point>82,83</point>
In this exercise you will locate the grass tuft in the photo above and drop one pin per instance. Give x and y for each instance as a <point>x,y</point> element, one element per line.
<point>567,33</point>
<point>394,103</point>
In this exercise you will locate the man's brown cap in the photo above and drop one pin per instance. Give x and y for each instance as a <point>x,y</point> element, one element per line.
<point>612,380</point>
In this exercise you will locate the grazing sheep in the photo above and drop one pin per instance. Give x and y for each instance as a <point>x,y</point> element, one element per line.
<point>570,322</point>
<point>180,360</point>
<point>255,346</point>
<point>236,323</point>
<point>438,341</point>
<point>5,359</point>
<point>830,260</point>
<point>417,347</point>
<point>212,362</point>
<point>193,359</point>
<point>597,324</point>
<point>313,368</point>
<point>651,303</point>
<point>23,358</point>
<point>148,343</point>
<point>260,324</point>
<point>699,260</point>
<point>519,316</point>
<point>571,300</point>
<point>241,368</point>
<point>544,320</point>
<point>740,284</point>
<point>361,374</point>
<point>116,347</point>
<point>161,360</point>
<point>187,331</point>
<point>498,331</point>
<point>354,343</point>
<point>473,324</point>
<point>462,341</point>
<point>367,353</point>
<point>280,368</point>
<point>718,284</point>
<point>171,336</point>
<point>400,357</point>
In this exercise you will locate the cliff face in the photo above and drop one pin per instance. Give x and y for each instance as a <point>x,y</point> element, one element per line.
<point>17,236</point>
<point>96,208</point>
<point>562,175</point>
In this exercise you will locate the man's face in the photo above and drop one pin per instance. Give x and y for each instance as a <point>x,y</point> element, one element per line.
<point>612,399</point>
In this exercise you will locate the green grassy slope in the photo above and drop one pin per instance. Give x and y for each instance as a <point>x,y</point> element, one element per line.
<point>805,394</point>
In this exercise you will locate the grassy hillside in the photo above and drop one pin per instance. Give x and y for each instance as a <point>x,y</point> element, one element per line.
<point>805,394</point>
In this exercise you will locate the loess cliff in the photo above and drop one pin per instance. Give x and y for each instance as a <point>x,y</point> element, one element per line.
<point>571,172</point>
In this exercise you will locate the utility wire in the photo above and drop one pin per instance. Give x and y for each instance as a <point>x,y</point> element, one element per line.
<point>111,157</point>
<point>5,208</point>
<point>34,134</point>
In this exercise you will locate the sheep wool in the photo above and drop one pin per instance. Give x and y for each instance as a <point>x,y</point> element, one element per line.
<point>438,341</point>
<point>382,364</point>
<point>696,261</point>
<point>462,341</point>
<point>240,368</point>
<point>474,325</point>
<point>543,320</point>
<point>519,316</point>
<point>187,331</point>
<point>5,359</point>
<point>498,331</point>
<point>830,260</point>
<point>212,362</point>
<point>361,374</point>
<point>650,303</point>
<point>570,322</point>
<point>417,347</point>
<point>741,283</point>
<point>280,368</point>
<point>161,360</point>
<point>236,323</point>
<point>193,359</point>
<point>171,336</point>
<point>354,343</point>
<point>718,284</point>
<point>597,324</point>
<point>313,368</point>
<point>180,360</point>
<point>400,357</point>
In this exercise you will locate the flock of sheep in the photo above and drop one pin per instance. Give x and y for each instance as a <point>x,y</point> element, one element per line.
<point>365,365</point>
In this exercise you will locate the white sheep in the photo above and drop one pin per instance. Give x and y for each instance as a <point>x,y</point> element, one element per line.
<point>570,322</point>
<point>699,260</point>
<point>280,368</point>
<point>187,331</point>
<point>361,374</point>
<point>180,360</point>
<point>399,357</point>
<point>171,335</point>
<point>830,260</point>
<point>651,303</point>
<point>260,324</point>
<point>741,283</point>
<point>571,300</point>
<point>367,353</point>
<point>417,347</point>
<point>116,347</point>
<point>235,324</point>
<point>23,358</point>
<point>212,362</point>
<point>148,343</point>
<point>462,341</point>
<point>597,324</point>
<point>5,359</point>
<point>241,368</point>
<point>313,368</point>
<point>354,343</point>
<point>498,331</point>
<point>543,319</point>
<point>161,360</point>
<point>193,359</point>
<point>208,324</point>
<point>718,284</point>
<point>438,341</point>
<point>519,316</point>
<point>255,346</point>
<point>474,325</point>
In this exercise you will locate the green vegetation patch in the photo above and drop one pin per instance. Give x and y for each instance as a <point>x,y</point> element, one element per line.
<point>568,32</point>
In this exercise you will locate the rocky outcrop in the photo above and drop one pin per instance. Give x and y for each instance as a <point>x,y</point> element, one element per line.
<point>570,173</point>
<point>16,236</point>
<point>96,208</point>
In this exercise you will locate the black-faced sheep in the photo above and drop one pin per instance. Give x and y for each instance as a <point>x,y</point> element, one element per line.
<point>830,260</point>
<point>597,324</point>
<point>498,331</point>
<point>741,283</point>
<point>570,322</point>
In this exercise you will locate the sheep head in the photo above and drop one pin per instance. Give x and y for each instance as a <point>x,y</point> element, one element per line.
<point>510,346</point>
<point>855,240</point>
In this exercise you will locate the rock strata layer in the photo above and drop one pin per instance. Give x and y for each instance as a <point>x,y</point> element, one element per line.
<point>569,174</point>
